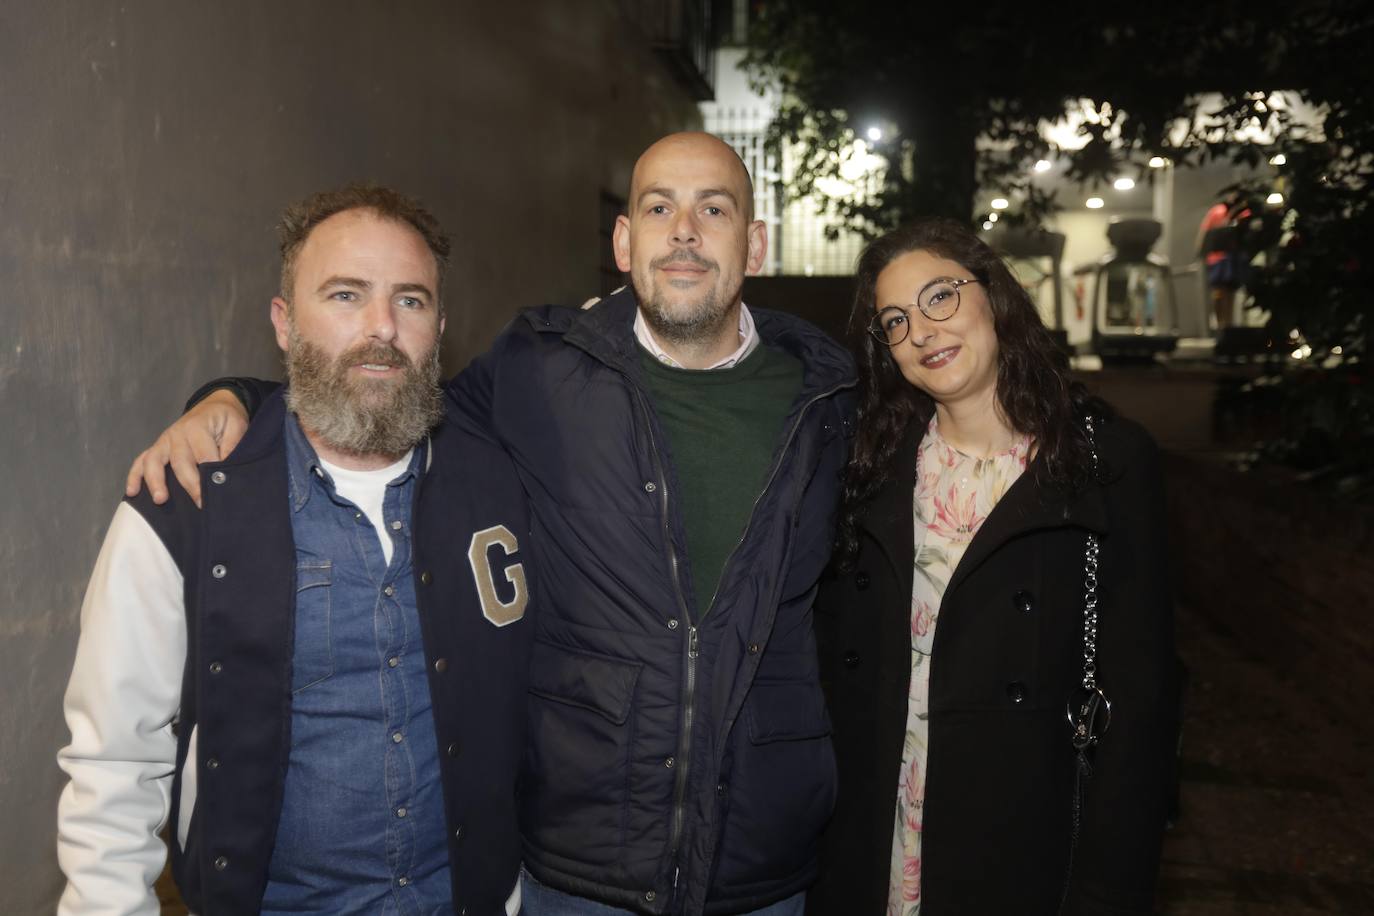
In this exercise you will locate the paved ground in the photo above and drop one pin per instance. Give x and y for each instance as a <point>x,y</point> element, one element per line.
<point>1277,813</point>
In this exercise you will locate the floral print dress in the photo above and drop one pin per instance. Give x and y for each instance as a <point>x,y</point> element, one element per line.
<point>954,494</point>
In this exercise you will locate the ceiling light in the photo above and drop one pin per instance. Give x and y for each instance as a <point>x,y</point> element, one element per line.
<point>992,217</point>
<point>1042,165</point>
<point>1280,159</point>
<point>986,225</point>
<point>1276,198</point>
<point>1124,184</point>
<point>999,203</point>
<point>875,134</point>
<point>1158,162</point>
<point>1093,203</point>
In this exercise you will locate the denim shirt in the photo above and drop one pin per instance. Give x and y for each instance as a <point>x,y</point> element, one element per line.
<point>362,825</point>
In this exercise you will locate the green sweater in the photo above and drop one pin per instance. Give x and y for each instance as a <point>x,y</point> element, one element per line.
<point>723,428</point>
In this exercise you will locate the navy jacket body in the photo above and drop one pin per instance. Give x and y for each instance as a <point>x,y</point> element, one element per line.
<point>675,764</point>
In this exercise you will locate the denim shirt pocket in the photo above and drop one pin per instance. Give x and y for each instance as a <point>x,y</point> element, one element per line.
<point>312,659</point>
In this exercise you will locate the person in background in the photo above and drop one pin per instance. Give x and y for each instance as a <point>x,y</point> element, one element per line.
<point>1227,264</point>
<point>986,495</point>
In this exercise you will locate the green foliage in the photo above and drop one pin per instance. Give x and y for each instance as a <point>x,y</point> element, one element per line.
<point>1319,282</point>
<point>961,92</point>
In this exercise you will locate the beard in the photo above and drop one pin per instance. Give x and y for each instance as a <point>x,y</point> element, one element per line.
<point>679,322</point>
<point>362,416</point>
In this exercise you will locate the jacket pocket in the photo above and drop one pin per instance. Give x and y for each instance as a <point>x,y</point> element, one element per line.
<point>785,711</point>
<point>576,790</point>
<point>781,784</point>
<point>312,657</point>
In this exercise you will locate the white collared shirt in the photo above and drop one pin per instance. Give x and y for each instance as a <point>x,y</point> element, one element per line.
<point>748,340</point>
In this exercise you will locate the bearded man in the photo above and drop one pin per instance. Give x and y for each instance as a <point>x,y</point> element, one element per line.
<point>318,682</point>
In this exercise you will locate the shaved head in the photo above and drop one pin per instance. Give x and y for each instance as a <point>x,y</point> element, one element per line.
<point>705,148</point>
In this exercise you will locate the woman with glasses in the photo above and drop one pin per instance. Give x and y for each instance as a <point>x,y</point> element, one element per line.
<point>996,639</point>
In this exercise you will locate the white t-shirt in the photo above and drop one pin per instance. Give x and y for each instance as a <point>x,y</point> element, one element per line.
<point>367,491</point>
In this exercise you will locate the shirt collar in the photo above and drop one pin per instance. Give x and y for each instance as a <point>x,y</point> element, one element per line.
<point>748,340</point>
<point>303,464</point>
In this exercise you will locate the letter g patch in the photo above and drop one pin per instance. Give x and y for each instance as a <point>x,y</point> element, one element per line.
<point>484,570</point>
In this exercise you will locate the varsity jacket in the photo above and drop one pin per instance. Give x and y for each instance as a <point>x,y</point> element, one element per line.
<point>180,699</point>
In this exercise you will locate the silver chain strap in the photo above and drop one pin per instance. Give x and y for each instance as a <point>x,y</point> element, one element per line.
<point>1090,615</point>
<point>1090,585</point>
<point>1090,712</point>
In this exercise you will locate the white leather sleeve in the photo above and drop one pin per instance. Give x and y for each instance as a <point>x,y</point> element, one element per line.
<point>124,694</point>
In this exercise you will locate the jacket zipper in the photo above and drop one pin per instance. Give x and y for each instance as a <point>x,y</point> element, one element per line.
<point>684,745</point>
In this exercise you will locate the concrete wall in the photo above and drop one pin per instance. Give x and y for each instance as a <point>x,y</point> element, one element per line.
<point>146,149</point>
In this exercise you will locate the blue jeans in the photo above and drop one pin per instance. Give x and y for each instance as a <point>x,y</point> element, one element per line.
<point>541,900</point>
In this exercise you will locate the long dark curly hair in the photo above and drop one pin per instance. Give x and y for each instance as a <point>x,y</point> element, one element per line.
<point>1034,389</point>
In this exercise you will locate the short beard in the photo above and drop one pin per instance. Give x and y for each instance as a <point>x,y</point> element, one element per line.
<point>694,323</point>
<point>363,417</point>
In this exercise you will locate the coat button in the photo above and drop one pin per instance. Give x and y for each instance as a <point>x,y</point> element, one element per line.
<point>458,834</point>
<point>861,581</point>
<point>441,665</point>
<point>851,659</point>
<point>649,896</point>
<point>219,571</point>
<point>221,863</point>
<point>1016,692</point>
<point>1023,601</point>
<point>216,667</point>
<point>720,790</point>
<point>753,648</point>
<point>426,578</point>
<point>650,486</point>
<point>453,749</point>
<point>212,764</point>
<point>217,477</point>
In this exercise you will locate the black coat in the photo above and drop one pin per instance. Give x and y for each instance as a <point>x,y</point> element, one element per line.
<point>1006,657</point>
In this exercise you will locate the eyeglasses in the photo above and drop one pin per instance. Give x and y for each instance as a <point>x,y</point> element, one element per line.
<point>938,300</point>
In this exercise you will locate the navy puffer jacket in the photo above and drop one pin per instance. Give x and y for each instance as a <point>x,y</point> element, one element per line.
<point>675,764</point>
